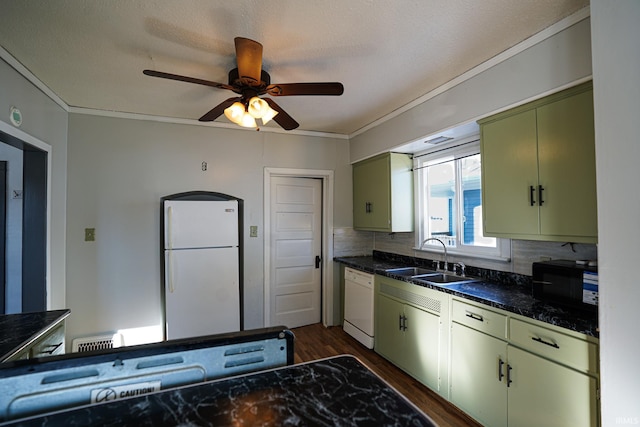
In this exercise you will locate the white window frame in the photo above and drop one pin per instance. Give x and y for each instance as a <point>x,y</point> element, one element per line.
<point>463,148</point>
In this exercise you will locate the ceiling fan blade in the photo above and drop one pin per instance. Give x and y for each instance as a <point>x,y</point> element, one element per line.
<point>170,76</point>
<point>289,89</point>
<point>249,59</point>
<point>282,118</point>
<point>217,111</point>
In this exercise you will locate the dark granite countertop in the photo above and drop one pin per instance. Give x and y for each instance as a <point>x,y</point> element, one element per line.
<point>335,391</point>
<point>18,331</point>
<point>506,291</point>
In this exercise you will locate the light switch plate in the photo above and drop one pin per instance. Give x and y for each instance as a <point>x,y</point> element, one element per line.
<point>89,234</point>
<point>253,231</point>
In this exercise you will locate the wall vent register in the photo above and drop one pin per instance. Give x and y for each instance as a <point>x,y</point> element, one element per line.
<point>98,342</point>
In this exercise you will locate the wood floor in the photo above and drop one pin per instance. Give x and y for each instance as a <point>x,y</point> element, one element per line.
<point>317,342</point>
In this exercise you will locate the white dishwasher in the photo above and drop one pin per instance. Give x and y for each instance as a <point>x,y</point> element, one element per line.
<point>358,305</point>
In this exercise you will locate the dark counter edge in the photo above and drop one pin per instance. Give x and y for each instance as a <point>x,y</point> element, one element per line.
<point>89,358</point>
<point>512,284</point>
<point>88,409</point>
<point>53,319</point>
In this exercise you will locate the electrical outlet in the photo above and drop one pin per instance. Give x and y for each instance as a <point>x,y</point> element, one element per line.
<point>545,258</point>
<point>253,231</point>
<point>89,234</point>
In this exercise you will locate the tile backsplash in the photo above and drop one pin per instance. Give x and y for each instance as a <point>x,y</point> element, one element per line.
<point>350,242</point>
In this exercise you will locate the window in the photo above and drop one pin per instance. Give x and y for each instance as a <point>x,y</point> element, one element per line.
<point>449,203</point>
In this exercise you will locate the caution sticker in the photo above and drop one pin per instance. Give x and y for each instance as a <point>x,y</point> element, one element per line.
<point>108,394</point>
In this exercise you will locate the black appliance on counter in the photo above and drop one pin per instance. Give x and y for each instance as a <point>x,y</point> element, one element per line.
<point>572,284</point>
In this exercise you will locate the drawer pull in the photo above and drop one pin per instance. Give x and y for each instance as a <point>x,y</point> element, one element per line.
<point>500,365</point>
<point>474,316</point>
<point>550,344</point>
<point>52,348</point>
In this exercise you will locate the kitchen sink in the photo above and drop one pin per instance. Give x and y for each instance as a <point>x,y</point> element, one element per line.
<point>442,279</point>
<point>410,271</point>
<point>430,276</point>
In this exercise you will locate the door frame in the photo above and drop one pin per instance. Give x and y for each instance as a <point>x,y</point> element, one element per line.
<point>26,142</point>
<point>327,237</point>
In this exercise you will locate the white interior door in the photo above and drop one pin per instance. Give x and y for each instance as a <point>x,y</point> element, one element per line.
<point>296,241</point>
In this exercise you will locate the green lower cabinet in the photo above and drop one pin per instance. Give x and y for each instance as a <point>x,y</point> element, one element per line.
<point>389,336</point>
<point>410,338</point>
<point>501,385</point>
<point>544,393</point>
<point>422,343</point>
<point>500,368</point>
<point>475,370</point>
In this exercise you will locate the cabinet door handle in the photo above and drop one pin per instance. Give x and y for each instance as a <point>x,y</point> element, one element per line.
<point>509,375</point>
<point>402,322</point>
<point>475,316</point>
<point>500,365</point>
<point>550,344</point>
<point>367,207</point>
<point>532,192</point>
<point>540,199</point>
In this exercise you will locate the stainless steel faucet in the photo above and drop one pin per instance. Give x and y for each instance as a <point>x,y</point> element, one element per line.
<point>446,264</point>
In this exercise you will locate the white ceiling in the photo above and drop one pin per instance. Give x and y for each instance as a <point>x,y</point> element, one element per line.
<point>387,53</point>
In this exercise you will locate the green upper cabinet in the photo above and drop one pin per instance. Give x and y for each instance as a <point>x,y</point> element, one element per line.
<point>383,193</point>
<point>567,166</point>
<point>509,173</point>
<point>538,169</point>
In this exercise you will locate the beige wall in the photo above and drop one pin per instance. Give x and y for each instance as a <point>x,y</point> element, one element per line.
<point>118,169</point>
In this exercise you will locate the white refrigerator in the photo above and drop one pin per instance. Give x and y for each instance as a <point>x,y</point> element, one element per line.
<point>201,267</point>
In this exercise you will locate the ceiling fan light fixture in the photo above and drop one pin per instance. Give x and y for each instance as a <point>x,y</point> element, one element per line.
<point>235,112</point>
<point>248,121</point>
<point>250,81</point>
<point>269,115</point>
<point>257,107</point>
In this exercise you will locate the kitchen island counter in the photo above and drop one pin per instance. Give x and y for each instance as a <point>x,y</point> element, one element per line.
<point>19,331</point>
<point>334,391</point>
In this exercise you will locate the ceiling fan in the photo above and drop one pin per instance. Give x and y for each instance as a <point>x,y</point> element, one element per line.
<point>250,81</point>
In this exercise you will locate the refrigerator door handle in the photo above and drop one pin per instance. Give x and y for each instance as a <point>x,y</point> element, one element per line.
<point>170,271</point>
<point>170,246</point>
<point>169,227</point>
